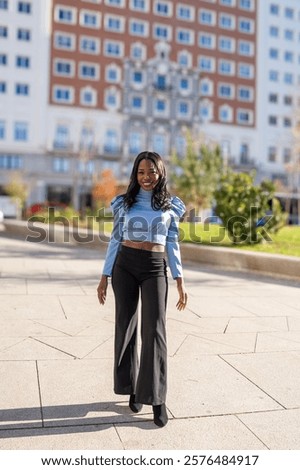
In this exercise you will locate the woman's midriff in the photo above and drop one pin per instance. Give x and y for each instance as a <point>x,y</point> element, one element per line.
<point>149,246</point>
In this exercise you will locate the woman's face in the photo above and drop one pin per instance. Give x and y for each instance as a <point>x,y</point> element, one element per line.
<point>147,175</point>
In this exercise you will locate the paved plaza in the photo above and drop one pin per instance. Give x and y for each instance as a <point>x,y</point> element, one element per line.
<point>234,358</point>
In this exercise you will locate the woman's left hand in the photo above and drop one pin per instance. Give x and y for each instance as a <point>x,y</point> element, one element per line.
<point>181,304</point>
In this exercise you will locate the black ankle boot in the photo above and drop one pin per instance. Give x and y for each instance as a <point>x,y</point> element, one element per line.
<point>135,407</point>
<point>160,415</point>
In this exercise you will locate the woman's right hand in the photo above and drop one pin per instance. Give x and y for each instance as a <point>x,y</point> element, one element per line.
<point>102,289</point>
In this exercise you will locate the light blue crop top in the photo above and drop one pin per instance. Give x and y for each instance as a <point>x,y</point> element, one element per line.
<point>142,223</point>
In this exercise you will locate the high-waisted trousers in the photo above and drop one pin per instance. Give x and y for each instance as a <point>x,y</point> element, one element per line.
<point>140,274</point>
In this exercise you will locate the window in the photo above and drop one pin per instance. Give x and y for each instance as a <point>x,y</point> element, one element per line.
<point>226,91</point>
<point>2,87</point>
<point>138,27</point>
<point>162,31</point>
<point>114,23</point>
<point>2,134</point>
<point>21,131</point>
<point>246,26</point>
<point>225,113</point>
<point>65,15</point>
<point>244,116</point>
<point>288,78</point>
<point>22,62</point>
<point>184,59</point>
<point>137,102</point>
<point>226,67</point>
<point>64,67</point>
<point>273,76</point>
<point>207,64</point>
<point>160,105</point>
<point>246,4</point>
<point>183,108</point>
<point>3,32</point>
<point>163,8</point>
<point>273,120</point>
<point>135,142</point>
<point>23,34</point>
<point>245,70</point>
<point>272,154</point>
<point>244,153</point>
<point>159,143</point>
<point>3,59</point>
<point>139,5</point>
<point>287,122</point>
<point>205,111</point>
<point>89,45</point>
<point>289,34</point>
<point>90,71</point>
<point>63,94</point>
<point>185,36</point>
<point>207,40</point>
<point>288,100</point>
<point>61,140</point>
<point>61,165</point>
<point>184,84</point>
<point>245,94</point>
<point>24,7</point>
<point>137,77</point>
<point>22,89</point>
<point>274,9</point>
<point>161,83</point>
<point>90,19</point>
<point>289,13</point>
<point>138,51</point>
<point>273,53</point>
<point>112,74</point>
<point>226,21</point>
<point>246,48</point>
<point>228,3</point>
<point>274,31</point>
<point>10,162</point>
<point>113,48</point>
<point>207,17</point>
<point>115,3</point>
<point>226,44</point>
<point>273,98</point>
<point>288,56</point>
<point>287,155</point>
<point>185,12</point>
<point>111,99</point>
<point>3,4</point>
<point>111,143</point>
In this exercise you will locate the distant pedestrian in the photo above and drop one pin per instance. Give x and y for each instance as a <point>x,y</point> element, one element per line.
<point>146,220</point>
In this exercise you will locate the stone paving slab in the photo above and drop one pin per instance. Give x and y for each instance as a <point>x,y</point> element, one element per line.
<point>233,363</point>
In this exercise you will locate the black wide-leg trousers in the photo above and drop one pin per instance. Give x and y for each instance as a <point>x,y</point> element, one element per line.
<point>140,274</point>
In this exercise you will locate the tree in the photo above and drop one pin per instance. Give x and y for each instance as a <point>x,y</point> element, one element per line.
<point>249,213</point>
<point>105,189</point>
<point>196,175</point>
<point>17,189</point>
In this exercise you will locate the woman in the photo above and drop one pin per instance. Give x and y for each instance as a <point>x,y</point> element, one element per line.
<point>146,221</point>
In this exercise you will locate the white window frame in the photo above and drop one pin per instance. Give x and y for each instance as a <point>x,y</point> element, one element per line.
<point>228,3</point>
<point>251,22</point>
<point>205,46</point>
<point>138,85</point>
<point>232,43</point>
<point>251,44</point>
<point>250,89</point>
<point>120,44</point>
<point>181,115</point>
<point>72,37</point>
<point>242,110</point>
<point>25,86</point>
<point>188,56</point>
<point>213,21</point>
<point>67,8</point>
<point>189,8</point>
<point>143,49</point>
<point>120,19</point>
<point>93,92</point>
<point>145,24</point>
<point>212,61</point>
<point>232,18</point>
<point>168,28</point>
<point>140,110</point>
<point>229,110</point>
<point>89,38</point>
<point>97,14</point>
<point>251,68</point>
<point>191,34</point>
<point>117,69</point>
<point>112,3</point>
<point>116,92</point>
<point>185,91</point>
<point>146,9</point>
<point>89,64</point>
<point>208,84</point>
<point>67,61</point>
<point>169,4</point>
<point>206,104</point>
<point>25,130</point>
<point>231,96</point>
<point>63,87</point>
<point>232,67</point>
<point>161,113</point>
<point>251,8</point>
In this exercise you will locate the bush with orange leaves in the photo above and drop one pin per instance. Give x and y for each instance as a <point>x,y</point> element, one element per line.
<point>105,189</point>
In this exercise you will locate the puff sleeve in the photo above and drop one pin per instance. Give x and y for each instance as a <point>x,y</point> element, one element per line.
<point>172,240</point>
<point>116,235</point>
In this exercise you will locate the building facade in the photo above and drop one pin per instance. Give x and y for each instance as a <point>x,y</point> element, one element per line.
<point>100,80</point>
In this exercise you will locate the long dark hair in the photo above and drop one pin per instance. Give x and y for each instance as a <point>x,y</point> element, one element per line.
<point>161,198</point>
